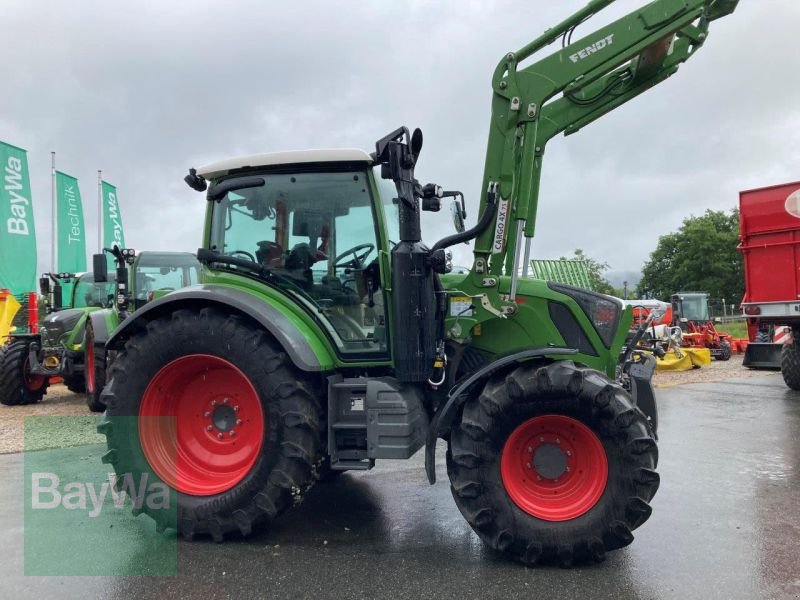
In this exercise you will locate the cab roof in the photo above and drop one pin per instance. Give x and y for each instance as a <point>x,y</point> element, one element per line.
<point>223,167</point>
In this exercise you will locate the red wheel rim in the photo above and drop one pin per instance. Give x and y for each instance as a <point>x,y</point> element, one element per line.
<point>89,353</point>
<point>217,431</point>
<point>30,381</point>
<point>554,467</point>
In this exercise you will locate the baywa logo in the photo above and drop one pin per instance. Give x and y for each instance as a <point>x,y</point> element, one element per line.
<point>49,492</point>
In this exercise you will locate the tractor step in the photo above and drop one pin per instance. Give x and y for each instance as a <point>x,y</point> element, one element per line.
<point>373,418</point>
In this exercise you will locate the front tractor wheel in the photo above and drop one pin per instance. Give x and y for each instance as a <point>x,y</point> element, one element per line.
<point>553,464</point>
<point>94,360</point>
<point>17,384</point>
<point>223,419</point>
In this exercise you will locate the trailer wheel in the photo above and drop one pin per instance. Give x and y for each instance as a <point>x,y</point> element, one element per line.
<point>17,385</point>
<point>223,419</point>
<point>790,365</point>
<point>95,370</point>
<point>553,464</point>
<point>725,351</point>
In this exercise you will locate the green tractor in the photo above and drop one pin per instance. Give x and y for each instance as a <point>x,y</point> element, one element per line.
<point>140,278</point>
<point>53,348</point>
<point>325,335</point>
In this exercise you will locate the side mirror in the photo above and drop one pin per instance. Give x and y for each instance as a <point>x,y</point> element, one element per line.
<point>100,268</point>
<point>458,216</point>
<point>44,286</point>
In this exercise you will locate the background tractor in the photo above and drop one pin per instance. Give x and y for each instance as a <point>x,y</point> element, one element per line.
<point>690,313</point>
<point>325,335</point>
<point>139,279</point>
<point>54,347</point>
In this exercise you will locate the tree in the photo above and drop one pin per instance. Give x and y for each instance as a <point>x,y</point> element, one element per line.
<point>701,256</point>
<point>596,270</point>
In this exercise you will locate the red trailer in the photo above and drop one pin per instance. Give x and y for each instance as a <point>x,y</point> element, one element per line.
<point>770,244</point>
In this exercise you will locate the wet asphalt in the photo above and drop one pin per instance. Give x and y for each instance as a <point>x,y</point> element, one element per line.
<point>726,524</point>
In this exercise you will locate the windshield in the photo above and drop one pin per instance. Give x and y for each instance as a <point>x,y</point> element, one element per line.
<point>316,235</point>
<point>158,274</point>
<point>695,308</point>
<point>88,293</point>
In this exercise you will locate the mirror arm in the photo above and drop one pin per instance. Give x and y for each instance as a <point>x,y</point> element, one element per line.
<point>470,234</point>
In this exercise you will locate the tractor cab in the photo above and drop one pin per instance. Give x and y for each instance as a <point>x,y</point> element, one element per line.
<point>316,232</point>
<point>690,307</point>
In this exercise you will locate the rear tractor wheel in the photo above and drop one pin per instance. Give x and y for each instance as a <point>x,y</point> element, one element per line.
<point>17,384</point>
<point>224,420</point>
<point>553,464</point>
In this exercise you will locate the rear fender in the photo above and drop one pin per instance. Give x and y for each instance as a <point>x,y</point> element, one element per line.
<point>298,340</point>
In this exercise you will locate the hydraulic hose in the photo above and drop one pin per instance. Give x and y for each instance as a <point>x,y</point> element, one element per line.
<point>470,234</point>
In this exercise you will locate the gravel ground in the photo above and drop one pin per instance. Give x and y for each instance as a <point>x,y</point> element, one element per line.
<point>716,371</point>
<point>60,402</point>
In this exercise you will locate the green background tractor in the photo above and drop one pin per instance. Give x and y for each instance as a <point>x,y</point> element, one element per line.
<point>140,278</point>
<point>325,335</point>
<point>53,348</point>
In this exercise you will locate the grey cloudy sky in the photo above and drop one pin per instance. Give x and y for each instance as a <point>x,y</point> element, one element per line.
<point>146,89</point>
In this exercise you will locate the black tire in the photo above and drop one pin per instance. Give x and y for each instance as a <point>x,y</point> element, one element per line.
<point>790,365</point>
<point>75,383</point>
<point>282,473</point>
<point>16,386</point>
<point>94,386</point>
<point>562,388</point>
<point>725,351</point>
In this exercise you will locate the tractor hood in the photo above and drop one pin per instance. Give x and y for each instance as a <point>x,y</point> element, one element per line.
<point>59,324</point>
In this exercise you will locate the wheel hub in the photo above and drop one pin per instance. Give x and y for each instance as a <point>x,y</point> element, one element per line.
<point>216,432</point>
<point>550,461</point>
<point>554,467</point>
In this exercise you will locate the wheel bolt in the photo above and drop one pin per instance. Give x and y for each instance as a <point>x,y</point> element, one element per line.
<point>209,428</point>
<point>238,421</point>
<point>539,477</point>
<point>567,469</point>
<point>206,414</point>
<point>232,432</point>
<point>558,440</point>
<point>530,449</point>
<point>219,436</point>
<point>528,465</point>
<point>224,400</point>
<point>213,403</point>
<point>541,438</point>
<point>569,452</point>
<point>235,409</point>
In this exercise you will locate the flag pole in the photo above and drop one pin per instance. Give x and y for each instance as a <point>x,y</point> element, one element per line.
<point>55,218</point>
<point>99,211</point>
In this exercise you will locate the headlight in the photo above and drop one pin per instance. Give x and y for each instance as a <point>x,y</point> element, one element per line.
<point>603,311</point>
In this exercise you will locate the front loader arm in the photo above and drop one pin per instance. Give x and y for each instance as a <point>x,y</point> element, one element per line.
<point>566,91</point>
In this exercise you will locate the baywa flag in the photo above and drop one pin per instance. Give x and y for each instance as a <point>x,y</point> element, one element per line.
<point>17,230</point>
<point>112,218</point>
<point>70,225</point>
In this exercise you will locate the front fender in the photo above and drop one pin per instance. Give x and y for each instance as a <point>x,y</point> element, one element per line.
<point>298,340</point>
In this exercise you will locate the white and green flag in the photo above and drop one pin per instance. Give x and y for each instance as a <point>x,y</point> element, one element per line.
<point>71,231</point>
<point>112,217</point>
<point>17,229</point>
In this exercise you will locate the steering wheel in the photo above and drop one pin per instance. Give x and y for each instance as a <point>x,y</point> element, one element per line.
<point>357,262</point>
<point>247,254</point>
